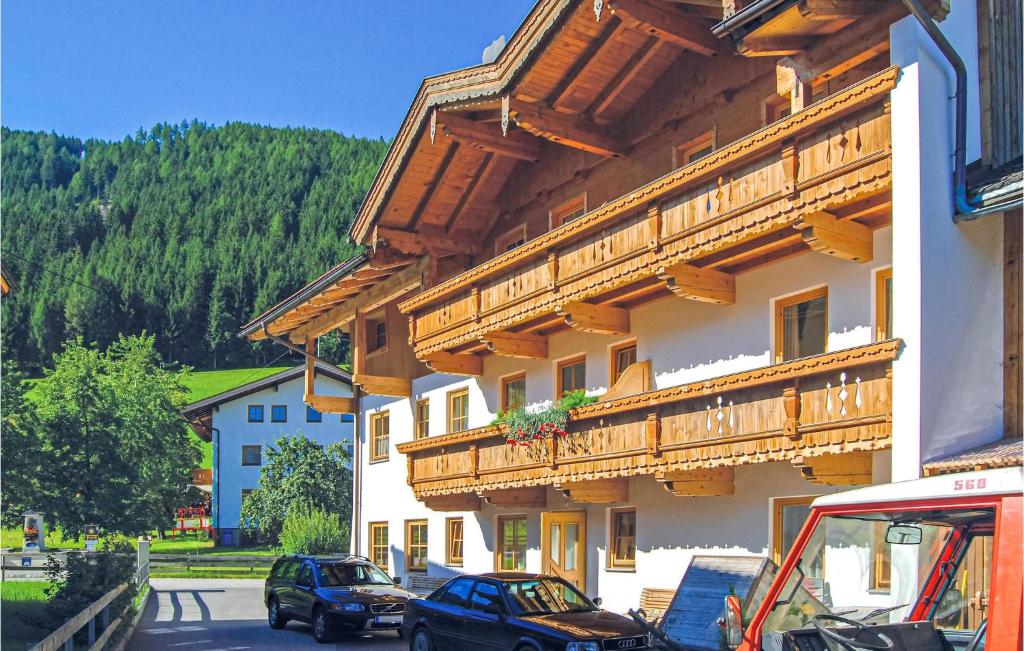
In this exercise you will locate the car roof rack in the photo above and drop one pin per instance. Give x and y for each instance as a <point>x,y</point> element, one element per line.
<point>331,557</point>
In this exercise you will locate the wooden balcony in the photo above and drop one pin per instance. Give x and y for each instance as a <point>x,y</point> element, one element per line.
<point>824,414</point>
<point>818,179</point>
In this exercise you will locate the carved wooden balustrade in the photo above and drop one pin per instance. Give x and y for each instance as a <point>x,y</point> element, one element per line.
<point>824,414</point>
<point>834,153</point>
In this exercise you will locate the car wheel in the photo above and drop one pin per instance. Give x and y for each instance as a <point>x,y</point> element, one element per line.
<point>321,626</point>
<point>274,616</point>
<point>421,641</point>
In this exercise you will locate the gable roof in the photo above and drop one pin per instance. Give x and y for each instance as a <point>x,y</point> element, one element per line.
<point>199,413</point>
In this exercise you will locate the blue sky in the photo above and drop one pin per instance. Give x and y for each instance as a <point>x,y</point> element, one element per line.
<point>93,68</point>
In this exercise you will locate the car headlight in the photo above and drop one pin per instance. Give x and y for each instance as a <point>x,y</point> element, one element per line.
<point>582,646</point>
<point>348,607</point>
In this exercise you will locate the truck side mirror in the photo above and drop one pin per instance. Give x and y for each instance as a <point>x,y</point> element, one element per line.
<point>397,580</point>
<point>903,534</point>
<point>732,623</point>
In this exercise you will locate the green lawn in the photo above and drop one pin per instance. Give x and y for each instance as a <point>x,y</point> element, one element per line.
<point>203,384</point>
<point>11,537</point>
<point>18,601</point>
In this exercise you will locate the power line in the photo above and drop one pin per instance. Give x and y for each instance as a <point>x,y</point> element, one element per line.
<point>56,273</point>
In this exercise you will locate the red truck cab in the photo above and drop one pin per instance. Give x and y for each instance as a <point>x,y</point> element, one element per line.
<point>922,565</point>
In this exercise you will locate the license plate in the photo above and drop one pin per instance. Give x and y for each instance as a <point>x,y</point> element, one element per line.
<point>387,619</point>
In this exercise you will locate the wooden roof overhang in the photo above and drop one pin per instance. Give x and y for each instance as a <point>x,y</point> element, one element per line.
<point>331,300</point>
<point>568,74</point>
<point>788,27</point>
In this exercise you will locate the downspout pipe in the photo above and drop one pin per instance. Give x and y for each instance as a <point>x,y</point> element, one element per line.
<point>216,480</point>
<point>964,208</point>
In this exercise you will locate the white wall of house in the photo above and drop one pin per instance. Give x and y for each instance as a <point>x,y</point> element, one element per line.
<point>947,278</point>
<point>230,419</point>
<point>686,341</point>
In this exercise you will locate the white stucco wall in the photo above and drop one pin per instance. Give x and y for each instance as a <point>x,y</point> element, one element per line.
<point>947,277</point>
<point>687,341</point>
<point>231,420</point>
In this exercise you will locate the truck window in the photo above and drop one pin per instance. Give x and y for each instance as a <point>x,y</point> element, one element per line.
<point>964,606</point>
<point>836,570</point>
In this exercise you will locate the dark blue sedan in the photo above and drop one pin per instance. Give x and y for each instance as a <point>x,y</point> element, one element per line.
<point>515,612</point>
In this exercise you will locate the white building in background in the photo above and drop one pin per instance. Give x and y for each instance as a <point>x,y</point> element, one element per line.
<point>244,422</point>
<point>754,262</point>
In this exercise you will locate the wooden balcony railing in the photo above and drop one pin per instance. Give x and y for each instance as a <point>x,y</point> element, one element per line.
<point>833,153</point>
<point>808,411</point>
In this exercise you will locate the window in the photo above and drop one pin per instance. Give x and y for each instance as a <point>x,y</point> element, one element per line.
<point>622,553</point>
<point>458,410</point>
<point>313,416</point>
<point>571,375</point>
<point>694,149</point>
<point>453,555</point>
<point>801,325</point>
<point>379,544</point>
<point>376,333</point>
<point>883,304</point>
<point>305,576</point>
<point>279,413</point>
<point>380,436</point>
<point>484,595</point>
<point>422,419</point>
<point>513,392</point>
<point>511,239</point>
<point>255,413</point>
<point>623,356</point>
<point>416,545</point>
<point>774,108</point>
<point>511,536</point>
<point>457,593</point>
<point>348,418</point>
<point>252,455</point>
<point>881,559</point>
<point>566,212</point>
<point>789,515</point>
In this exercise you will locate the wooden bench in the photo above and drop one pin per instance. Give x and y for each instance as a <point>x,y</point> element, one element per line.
<point>422,584</point>
<point>655,601</point>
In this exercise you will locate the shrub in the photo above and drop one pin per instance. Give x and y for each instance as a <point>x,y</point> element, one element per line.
<point>524,426</point>
<point>311,530</point>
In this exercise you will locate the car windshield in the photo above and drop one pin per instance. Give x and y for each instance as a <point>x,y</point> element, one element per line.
<point>544,596</point>
<point>849,568</point>
<point>346,574</point>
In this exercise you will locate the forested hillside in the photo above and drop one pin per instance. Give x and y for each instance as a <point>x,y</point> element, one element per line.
<point>185,232</point>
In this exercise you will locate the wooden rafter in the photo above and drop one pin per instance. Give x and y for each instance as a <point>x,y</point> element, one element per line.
<point>379,385</point>
<point>453,502</point>
<point>586,59</point>
<point>775,46</point>
<point>522,498</point>
<point>671,26</point>
<point>597,491</point>
<point>699,284</point>
<point>627,73</point>
<point>425,240</point>
<point>477,204</point>
<point>598,319</point>
<point>572,131</point>
<point>435,182</point>
<point>828,10</point>
<point>487,137</point>
<point>455,364</point>
<point>699,483</point>
<point>400,283</point>
<point>846,240</point>
<point>516,344</point>
<point>849,469</point>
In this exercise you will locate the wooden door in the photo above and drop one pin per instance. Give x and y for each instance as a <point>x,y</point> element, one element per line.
<point>564,546</point>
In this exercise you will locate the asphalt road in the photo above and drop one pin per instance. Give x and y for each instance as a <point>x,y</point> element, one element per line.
<point>228,615</point>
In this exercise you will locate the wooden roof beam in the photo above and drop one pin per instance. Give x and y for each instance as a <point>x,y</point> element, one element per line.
<point>572,131</point>
<point>424,241</point>
<point>486,137</point>
<point>775,46</point>
<point>699,483</point>
<point>400,283</point>
<point>827,10</point>
<point>846,469</point>
<point>596,491</point>
<point>699,284</point>
<point>626,74</point>
<point>516,344</point>
<point>586,59</point>
<point>598,319</point>
<point>379,385</point>
<point>453,502</point>
<point>455,364</point>
<point>847,240</point>
<point>533,497</point>
<point>672,26</point>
